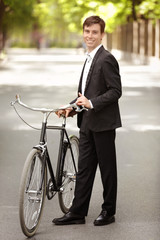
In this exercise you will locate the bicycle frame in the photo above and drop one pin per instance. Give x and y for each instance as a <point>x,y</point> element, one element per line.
<point>64,143</point>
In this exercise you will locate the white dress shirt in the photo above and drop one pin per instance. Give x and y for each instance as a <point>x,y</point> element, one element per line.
<point>89,59</point>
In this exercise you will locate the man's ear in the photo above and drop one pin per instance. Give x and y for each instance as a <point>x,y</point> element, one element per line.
<point>103,34</point>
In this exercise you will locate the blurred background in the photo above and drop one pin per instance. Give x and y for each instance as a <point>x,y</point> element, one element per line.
<point>132,26</point>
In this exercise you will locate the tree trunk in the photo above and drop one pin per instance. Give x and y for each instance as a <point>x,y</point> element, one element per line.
<point>133,10</point>
<point>2,35</point>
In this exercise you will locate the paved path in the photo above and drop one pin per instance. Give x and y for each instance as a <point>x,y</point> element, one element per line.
<point>49,78</point>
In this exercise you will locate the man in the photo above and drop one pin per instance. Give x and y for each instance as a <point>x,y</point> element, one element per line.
<point>99,90</point>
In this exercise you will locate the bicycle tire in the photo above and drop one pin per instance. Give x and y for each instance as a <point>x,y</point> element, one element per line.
<point>66,193</point>
<point>31,200</point>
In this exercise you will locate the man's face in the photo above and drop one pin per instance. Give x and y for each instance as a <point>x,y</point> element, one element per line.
<point>92,36</point>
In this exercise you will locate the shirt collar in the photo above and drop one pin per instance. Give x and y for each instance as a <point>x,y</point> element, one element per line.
<point>93,53</point>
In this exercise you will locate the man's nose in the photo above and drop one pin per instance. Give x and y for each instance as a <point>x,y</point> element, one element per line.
<point>90,35</point>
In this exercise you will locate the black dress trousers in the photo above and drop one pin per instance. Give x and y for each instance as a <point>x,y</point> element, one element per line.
<point>96,148</point>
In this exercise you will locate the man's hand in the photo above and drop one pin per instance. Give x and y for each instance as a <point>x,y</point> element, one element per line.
<point>69,112</point>
<point>82,100</point>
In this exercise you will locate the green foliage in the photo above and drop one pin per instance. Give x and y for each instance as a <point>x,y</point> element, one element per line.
<point>58,18</point>
<point>149,9</point>
<point>18,14</point>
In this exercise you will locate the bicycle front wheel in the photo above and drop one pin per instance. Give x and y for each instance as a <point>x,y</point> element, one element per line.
<point>32,192</point>
<point>66,193</point>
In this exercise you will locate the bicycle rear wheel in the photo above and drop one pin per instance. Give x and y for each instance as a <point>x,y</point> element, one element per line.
<point>66,193</point>
<point>32,193</point>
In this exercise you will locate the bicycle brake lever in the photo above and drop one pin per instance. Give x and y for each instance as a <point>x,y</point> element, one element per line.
<point>17,100</point>
<point>12,103</point>
<point>78,109</point>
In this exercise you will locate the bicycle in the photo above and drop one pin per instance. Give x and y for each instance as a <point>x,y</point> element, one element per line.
<point>38,178</point>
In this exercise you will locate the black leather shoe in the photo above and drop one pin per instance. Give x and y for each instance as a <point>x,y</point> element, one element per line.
<point>69,218</point>
<point>104,219</point>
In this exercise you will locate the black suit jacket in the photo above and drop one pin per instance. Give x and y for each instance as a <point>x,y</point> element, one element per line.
<point>103,88</point>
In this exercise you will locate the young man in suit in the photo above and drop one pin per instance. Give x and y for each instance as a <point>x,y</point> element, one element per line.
<point>99,90</point>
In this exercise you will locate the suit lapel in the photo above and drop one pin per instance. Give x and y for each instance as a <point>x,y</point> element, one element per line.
<point>92,66</point>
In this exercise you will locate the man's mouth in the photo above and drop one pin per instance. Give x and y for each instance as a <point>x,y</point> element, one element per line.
<point>90,42</point>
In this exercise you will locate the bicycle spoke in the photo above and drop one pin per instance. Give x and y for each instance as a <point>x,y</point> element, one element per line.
<point>66,194</point>
<point>31,197</point>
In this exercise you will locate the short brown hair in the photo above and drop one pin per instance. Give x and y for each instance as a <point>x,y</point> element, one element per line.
<point>94,20</point>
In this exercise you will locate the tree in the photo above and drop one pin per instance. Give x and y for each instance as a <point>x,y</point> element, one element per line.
<point>15,16</point>
<point>149,9</point>
<point>51,19</point>
<point>114,12</point>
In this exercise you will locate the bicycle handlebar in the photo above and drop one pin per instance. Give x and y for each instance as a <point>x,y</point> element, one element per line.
<point>47,110</point>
